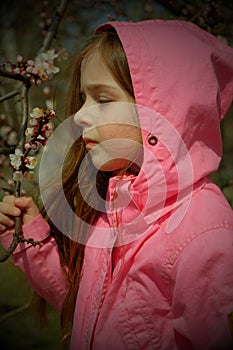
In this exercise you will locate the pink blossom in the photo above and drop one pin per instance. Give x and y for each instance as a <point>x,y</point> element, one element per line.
<point>10,182</point>
<point>46,90</point>
<point>32,145</point>
<point>51,113</point>
<point>29,69</point>
<point>16,70</point>
<point>62,54</point>
<point>19,59</point>
<point>31,63</point>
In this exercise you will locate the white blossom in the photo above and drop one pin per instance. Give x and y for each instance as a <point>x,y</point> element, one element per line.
<point>17,175</point>
<point>36,112</point>
<point>30,162</point>
<point>15,159</point>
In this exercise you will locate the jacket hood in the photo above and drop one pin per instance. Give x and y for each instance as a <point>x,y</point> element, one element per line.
<point>183,85</point>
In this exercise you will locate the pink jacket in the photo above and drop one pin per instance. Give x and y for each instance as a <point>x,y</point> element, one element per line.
<point>170,285</point>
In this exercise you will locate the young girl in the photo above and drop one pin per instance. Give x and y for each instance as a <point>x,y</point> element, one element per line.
<point>164,278</point>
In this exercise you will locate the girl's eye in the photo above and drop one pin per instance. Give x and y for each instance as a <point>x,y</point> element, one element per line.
<point>104,100</point>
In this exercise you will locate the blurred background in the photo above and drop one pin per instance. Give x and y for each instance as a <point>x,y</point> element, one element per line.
<point>23,25</point>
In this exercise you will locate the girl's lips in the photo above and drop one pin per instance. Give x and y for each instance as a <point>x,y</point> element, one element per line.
<point>89,143</point>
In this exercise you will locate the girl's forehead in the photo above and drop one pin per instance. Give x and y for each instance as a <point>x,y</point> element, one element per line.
<point>92,58</point>
<point>94,69</point>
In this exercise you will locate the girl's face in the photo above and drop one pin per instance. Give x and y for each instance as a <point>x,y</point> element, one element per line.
<point>108,117</point>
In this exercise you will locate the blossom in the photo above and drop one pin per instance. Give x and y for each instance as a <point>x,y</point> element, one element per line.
<point>12,138</point>
<point>30,162</point>
<point>30,175</point>
<point>46,90</point>
<point>52,69</point>
<point>31,132</point>
<point>16,70</point>
<point>16,159</point>
<point>31,145</point>
<point>33,122</point>
<point>49,56</point>
<point>19,59</point>
<point>51,113</point>
<point>37,112</point>
<point>62,54</point>
<point>49,103</point>
<point>4,131</point>
<point>46,131</point>
<point>45,65</point>
<point>17,175</point>
<point>41,68</point>
<point>41,129</point>
<point>38,134</point>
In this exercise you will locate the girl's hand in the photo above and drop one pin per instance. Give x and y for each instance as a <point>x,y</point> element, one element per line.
<point>10,207</point>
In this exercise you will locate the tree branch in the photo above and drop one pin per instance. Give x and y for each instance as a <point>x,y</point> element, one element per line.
<point>7,253</point>
<point>14,312</point>
<point>18,234</point>
<point>25,102</point>
<point>59,13</point>
<point>9,95</point>
<point>16,76</point>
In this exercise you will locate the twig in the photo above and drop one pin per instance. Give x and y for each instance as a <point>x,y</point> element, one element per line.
<point>7,253</point>
<point>227,184</point>
<point>16,76</point>
<point>9,95</point>
<point>15,311</point>
<point>25,112</point>
<point>18,234</point>
<point>7,189</point>
<point>52,31</point>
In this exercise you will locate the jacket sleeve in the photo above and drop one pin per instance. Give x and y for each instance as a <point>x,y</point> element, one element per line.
<point>41,264</point>
<point>202,282</point>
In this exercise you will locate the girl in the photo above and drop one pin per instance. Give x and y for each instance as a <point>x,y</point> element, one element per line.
<point>164,278</point>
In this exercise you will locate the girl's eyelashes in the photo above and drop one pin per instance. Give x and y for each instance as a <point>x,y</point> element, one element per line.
<point>97,99</point>
<point>104,100</point>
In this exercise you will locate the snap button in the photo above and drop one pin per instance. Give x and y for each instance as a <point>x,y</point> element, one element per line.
<point>152,140</point>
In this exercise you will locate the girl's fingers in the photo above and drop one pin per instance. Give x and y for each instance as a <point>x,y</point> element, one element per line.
<point>28,205</point>
<point>2,228</point>
<point>9,199</point>
<point>14,205</point>
<point>7,212</point>
<point>11,207</point>
<point>8,208</point>
<point>6,221</point>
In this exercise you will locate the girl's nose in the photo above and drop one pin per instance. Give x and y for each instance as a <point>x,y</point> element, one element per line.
<point>83,117</point>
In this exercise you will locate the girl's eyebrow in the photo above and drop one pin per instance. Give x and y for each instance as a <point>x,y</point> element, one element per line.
<point>96,86</point>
